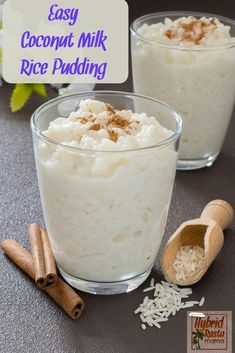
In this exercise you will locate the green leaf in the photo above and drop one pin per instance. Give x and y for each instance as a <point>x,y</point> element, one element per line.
<point>20,96</point>
<point>40,89</point>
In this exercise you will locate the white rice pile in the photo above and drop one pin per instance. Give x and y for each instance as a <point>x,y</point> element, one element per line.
<point>188,260</point>
<point>166,301</point>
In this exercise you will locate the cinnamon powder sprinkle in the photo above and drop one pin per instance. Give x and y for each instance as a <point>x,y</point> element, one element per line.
<point>109,108</point>
<point>113,136</point>
<point>91,119</point>
<point>193,31</point>
<point>113,121</point>
<point>118,121</point>
<point>95,127</point>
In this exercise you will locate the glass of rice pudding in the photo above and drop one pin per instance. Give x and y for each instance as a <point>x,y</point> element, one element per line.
<point>188,61</point>
<point>106,172</point>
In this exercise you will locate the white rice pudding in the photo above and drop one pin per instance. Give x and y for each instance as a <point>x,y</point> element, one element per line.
<point>105,211</point>
<point>180,65</point>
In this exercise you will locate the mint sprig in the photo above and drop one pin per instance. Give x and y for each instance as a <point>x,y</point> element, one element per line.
<point>22,93</point>
<point>20,96</point>
<point>40,89</point>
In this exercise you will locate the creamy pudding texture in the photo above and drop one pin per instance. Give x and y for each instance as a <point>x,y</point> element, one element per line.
<point>188,32</point>
<point>189,63</point>
<point>105,211</point>
<point>97,126</point>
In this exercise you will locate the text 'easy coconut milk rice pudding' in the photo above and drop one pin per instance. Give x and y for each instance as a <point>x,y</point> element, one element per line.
<point>188,61</point>
<point>105,178</point>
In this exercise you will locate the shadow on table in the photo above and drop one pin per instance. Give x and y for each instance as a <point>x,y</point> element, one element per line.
<point>210,183</point>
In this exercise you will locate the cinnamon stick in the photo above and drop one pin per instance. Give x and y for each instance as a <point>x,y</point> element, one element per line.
<point>62,293</point>
<point>44,263</point>
<point>51,273</point>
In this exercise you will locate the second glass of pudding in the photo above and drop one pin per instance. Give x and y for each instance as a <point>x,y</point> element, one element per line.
<point>187,60</point>
<point>106,172</point>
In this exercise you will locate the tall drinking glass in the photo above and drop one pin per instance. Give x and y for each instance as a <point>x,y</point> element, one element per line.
<point>198,82</point>
<point>105,211</point>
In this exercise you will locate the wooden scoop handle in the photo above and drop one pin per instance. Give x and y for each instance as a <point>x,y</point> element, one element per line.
<point>220,211</point>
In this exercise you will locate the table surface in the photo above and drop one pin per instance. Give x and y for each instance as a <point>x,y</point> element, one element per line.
<point>32,322</point>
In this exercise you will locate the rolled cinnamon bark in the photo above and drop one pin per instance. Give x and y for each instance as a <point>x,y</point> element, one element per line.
<point>62,293</point>
<point>43,259</point>
<point>51,272</point>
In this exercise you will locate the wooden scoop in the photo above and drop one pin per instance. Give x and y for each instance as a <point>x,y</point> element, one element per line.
<point>206,231</point>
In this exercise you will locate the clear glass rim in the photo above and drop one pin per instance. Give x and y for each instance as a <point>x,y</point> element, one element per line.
<point>134,29</point>
<point>174,136</point>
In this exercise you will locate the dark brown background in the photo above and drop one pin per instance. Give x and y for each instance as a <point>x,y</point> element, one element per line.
<point>29,320</point>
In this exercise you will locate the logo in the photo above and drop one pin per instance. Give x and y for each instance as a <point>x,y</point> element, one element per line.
<point>209,331</point>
